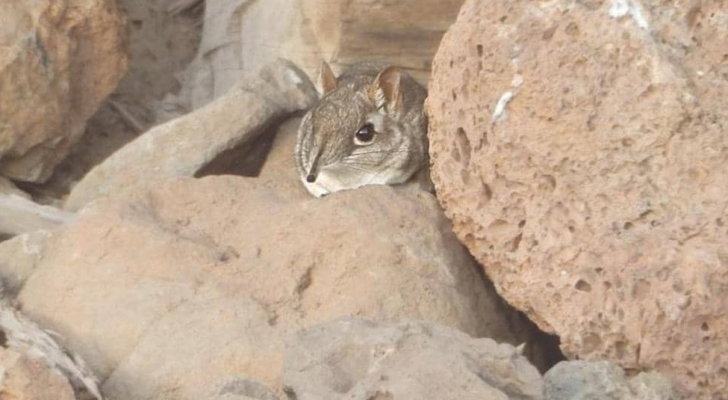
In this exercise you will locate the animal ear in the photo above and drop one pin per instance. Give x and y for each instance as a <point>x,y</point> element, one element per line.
<point>327,80</point>
<point>385,92</point>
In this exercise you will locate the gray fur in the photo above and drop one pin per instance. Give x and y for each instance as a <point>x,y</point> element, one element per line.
<point>326,147</point>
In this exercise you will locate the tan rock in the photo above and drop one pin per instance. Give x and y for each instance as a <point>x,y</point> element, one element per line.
<point>240,35</point>
<point>170,290</point>
<point>28,378</point>
<point>580,150</point>
<point>183,146</point>
<point>361,360</point>
<point>58,61</point>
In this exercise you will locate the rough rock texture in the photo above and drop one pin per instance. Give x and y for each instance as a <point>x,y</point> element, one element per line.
<point>58,61</point>
<point>199,279</point>
<point>28,378</point>
<point>603,380</point>
<point>243,35</point>
<point>580,150</point>
<point>183,146</point>
<point>361,360</point>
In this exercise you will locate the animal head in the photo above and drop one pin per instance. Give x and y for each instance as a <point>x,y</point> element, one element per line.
<point>367,128</point>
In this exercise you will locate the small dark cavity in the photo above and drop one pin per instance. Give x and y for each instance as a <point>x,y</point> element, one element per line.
<point>582,286</point>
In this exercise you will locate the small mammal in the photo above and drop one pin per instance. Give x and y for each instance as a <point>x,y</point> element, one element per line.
<point>368,128</point>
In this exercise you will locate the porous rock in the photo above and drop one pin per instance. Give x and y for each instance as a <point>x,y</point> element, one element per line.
<point>183,146</point>
<point>242,35</point>
<point>168,290</point>
<point>580,150</point>
<point>58,61</point>
<point>361,360</point>
<point>603,380</point>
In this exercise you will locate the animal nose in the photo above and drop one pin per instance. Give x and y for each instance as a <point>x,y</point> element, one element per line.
<point>311,178</point>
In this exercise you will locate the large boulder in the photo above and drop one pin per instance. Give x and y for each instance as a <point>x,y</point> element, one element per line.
<point>58,61</point>
<point>185,146</point>
<point>580,150</point>
<point>361,360</point>
<point>242,35</point>
<point>172,289</point>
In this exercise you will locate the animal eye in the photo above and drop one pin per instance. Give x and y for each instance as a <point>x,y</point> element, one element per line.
<point>365,134</point>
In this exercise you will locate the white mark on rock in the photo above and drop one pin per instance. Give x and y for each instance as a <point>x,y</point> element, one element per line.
<point>33,248</point>
<point>620,8</point>
<point>500,107</point>
<point>517,80</point>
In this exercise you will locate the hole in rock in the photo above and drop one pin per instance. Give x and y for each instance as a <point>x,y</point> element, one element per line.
<point>704,327</point>
<point>514,243</point>
<point>246,159</point>
<point>542,349</point>
<point>480,50</point>
<point>582,286</point>
<point>463,144</point>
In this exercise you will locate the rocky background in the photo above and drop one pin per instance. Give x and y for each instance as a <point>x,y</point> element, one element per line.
<point>155,242</point>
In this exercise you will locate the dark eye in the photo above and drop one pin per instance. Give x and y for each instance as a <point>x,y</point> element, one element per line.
<point>365,134</point>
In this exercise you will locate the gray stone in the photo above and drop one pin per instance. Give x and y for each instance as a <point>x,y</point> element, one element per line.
<point>361,360</point>
<point>181,147</point>
<point>603,380</point>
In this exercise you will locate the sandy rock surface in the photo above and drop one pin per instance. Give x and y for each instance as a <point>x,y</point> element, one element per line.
<point>580,150</point>
<point>361,360</point>
<point>58,61</point>
<point>185,145</point>
<point>170,290</point>
<point>241,36</point>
